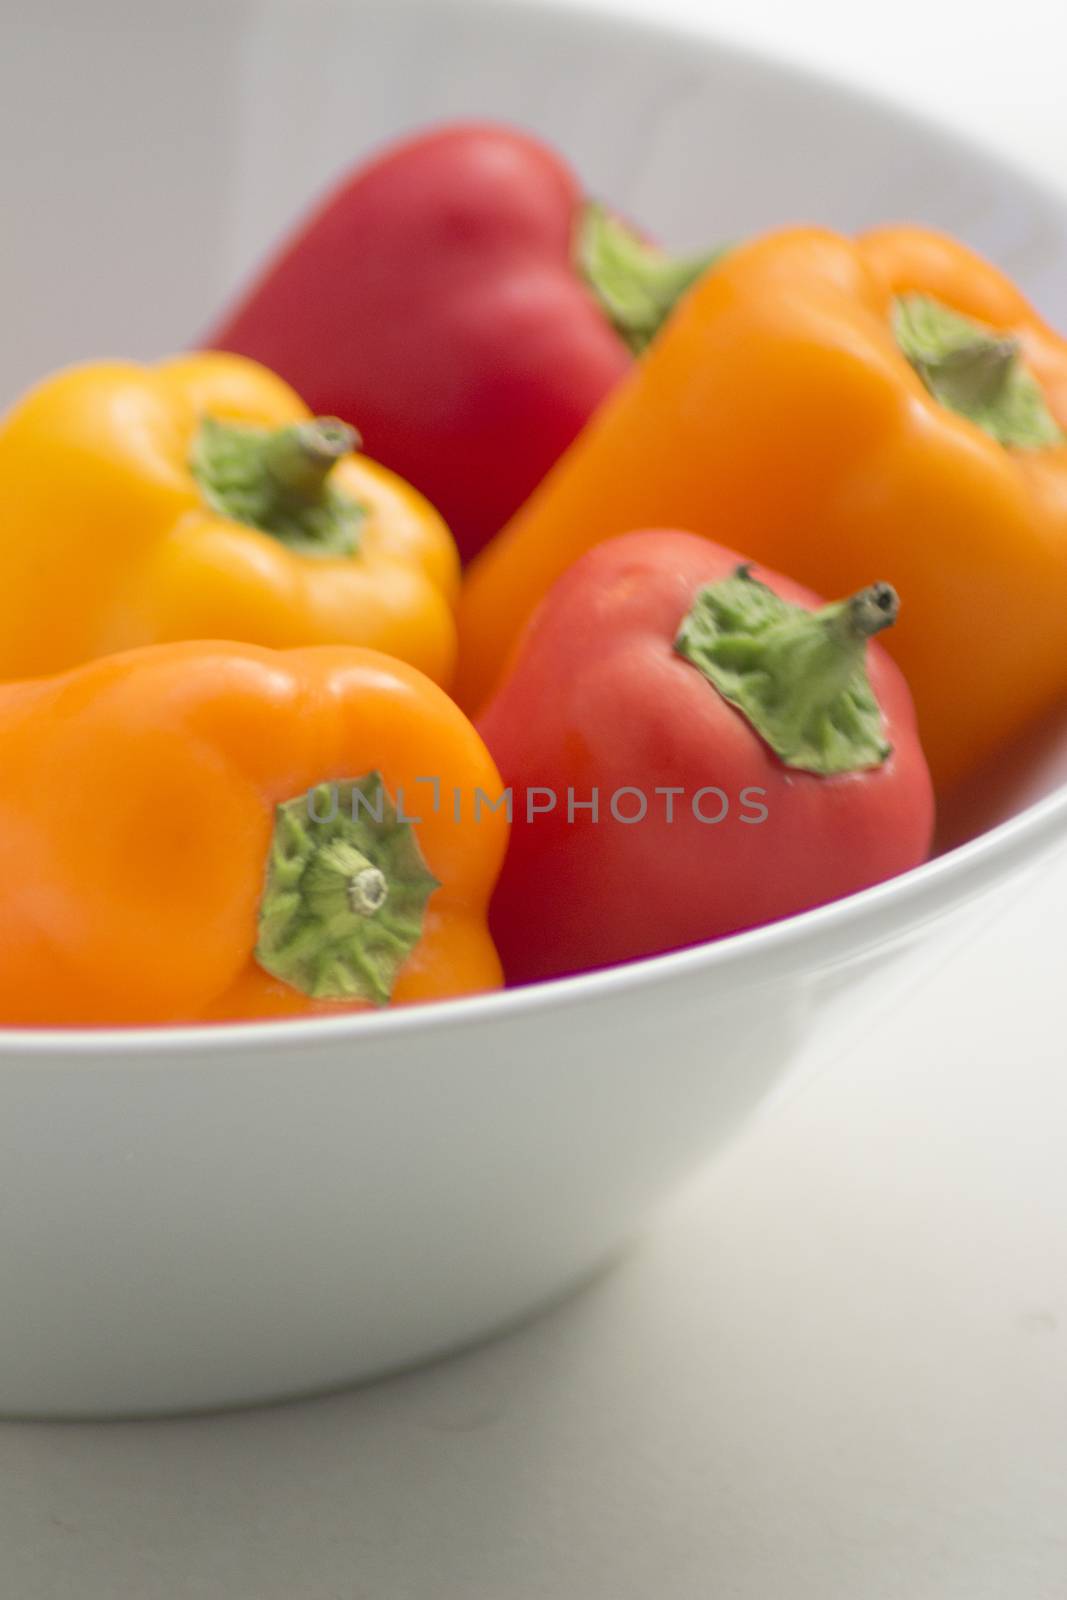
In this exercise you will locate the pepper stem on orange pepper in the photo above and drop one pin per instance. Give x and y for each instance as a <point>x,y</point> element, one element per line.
<point>800,677</point>
<point>341,867</point>
<point>345,894</point>
<point>975,371</point>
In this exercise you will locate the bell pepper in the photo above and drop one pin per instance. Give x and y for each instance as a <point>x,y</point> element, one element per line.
<point>695,746</point>
<point>199,499</point>
<point>461,303</point>
<point>837,407</point>
<point>197,832</point>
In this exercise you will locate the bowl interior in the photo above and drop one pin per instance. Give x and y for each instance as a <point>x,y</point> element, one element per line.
<point>172,144</point>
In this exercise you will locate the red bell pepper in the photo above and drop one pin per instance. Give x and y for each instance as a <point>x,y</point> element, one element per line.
<point>460,303</point>
<point>748,755</point>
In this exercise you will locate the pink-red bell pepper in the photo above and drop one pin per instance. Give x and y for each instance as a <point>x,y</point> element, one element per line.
<point>460,303</point>
<point>695,746</point>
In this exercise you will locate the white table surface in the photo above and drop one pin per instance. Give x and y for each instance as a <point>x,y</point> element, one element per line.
<point>835,1370</point>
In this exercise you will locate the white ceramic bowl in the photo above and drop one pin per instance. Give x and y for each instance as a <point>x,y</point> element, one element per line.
<point>193,1218</point>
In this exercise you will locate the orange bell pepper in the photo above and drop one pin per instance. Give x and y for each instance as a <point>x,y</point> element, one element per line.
<point>835,408</point>
<point>218,831</point>
<point>200,500</point>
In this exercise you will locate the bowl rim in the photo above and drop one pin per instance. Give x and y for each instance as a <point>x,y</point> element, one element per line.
<point>797,943</point>
<point>839,930</point>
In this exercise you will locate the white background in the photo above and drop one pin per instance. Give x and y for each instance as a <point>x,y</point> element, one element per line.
<point>837,1369</point>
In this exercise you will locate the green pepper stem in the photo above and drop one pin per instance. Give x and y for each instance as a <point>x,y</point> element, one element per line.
<point>345,893</point>
<point>636,285</point>
<point>977,374</point>
<point>811,657</point>
<point>342,877</point>
<point>976,371</point>
<point>299,459</point>
<point>281,481</point>
<point>868,611</point>
<point>798,676</point>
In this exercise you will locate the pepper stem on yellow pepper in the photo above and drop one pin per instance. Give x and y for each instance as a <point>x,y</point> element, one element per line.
<point>281,482</point>
<point>798,676</point>
<point>300,459</point>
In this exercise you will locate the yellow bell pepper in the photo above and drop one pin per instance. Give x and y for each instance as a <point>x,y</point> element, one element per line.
<point>199,499</point>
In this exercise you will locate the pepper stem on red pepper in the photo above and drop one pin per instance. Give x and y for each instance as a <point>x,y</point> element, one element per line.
<point>976,372</point>
<point>345,893</point>
<point>281,481</point>
<point>636,285</point>
<point>798,676</point>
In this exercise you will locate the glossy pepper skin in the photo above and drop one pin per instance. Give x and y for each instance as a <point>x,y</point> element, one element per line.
<point>779,405</point>
<point>437,300</point>
<point>599,698</point>
<point>108,541</point>
<point>139,796</point>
